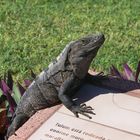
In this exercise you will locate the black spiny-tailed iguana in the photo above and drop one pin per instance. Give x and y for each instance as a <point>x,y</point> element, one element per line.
<point>58,83</point>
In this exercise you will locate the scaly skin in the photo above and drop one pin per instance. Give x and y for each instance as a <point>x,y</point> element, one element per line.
<point>59,82</point>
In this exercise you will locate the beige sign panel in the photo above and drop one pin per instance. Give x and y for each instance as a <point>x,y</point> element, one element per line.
<point>117,118</point>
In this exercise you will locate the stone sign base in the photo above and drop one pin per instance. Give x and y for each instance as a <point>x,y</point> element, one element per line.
<point>117,118</point>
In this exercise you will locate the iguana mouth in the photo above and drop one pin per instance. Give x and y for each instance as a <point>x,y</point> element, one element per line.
<point>95,42</point>
<point>99,39</point>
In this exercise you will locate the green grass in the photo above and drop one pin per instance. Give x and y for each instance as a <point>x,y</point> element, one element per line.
<point>33,32</point>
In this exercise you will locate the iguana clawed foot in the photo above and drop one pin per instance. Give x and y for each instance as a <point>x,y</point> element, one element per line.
<point>82,109</point>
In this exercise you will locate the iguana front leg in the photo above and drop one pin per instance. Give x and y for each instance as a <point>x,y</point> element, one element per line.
<point>76,109</point>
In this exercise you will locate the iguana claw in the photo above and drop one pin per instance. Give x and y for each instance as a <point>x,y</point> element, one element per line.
<point>83,109</point>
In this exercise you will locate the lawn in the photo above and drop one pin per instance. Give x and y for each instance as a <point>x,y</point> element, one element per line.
<point>33,32</point>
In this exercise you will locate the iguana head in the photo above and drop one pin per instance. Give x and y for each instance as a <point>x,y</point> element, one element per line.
<point>82,52</point>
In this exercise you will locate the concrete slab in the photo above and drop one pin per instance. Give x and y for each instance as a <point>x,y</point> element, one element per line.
<point>43,125</point>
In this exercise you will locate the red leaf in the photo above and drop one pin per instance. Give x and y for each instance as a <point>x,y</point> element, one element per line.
<point>4,87</point>
<point>7,92</point>
<point>137,72</point>
<point>115,72</point>
<point>3,118</point>
<point>2,99</point>
<point>27,82</point>
<point>10,80</point>
<point>128,72</point>
<point>21,88</point>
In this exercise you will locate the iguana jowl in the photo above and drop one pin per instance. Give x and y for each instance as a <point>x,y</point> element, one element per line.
<point>59,82</point>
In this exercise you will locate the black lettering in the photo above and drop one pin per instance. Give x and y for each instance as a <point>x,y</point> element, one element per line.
<point>62,126</point>
<point>59,132</point>
<point>76,137</point>
<point>76,130</point>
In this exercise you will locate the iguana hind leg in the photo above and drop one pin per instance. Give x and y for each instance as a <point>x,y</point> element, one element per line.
<point>18,121</point>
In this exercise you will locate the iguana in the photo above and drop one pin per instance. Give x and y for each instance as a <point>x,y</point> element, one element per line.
<point>59,81</point>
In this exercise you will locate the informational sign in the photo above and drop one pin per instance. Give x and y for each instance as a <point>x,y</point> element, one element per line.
<point>117,118</point>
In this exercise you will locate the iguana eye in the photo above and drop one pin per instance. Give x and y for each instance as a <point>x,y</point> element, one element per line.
<point>84,41</point>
